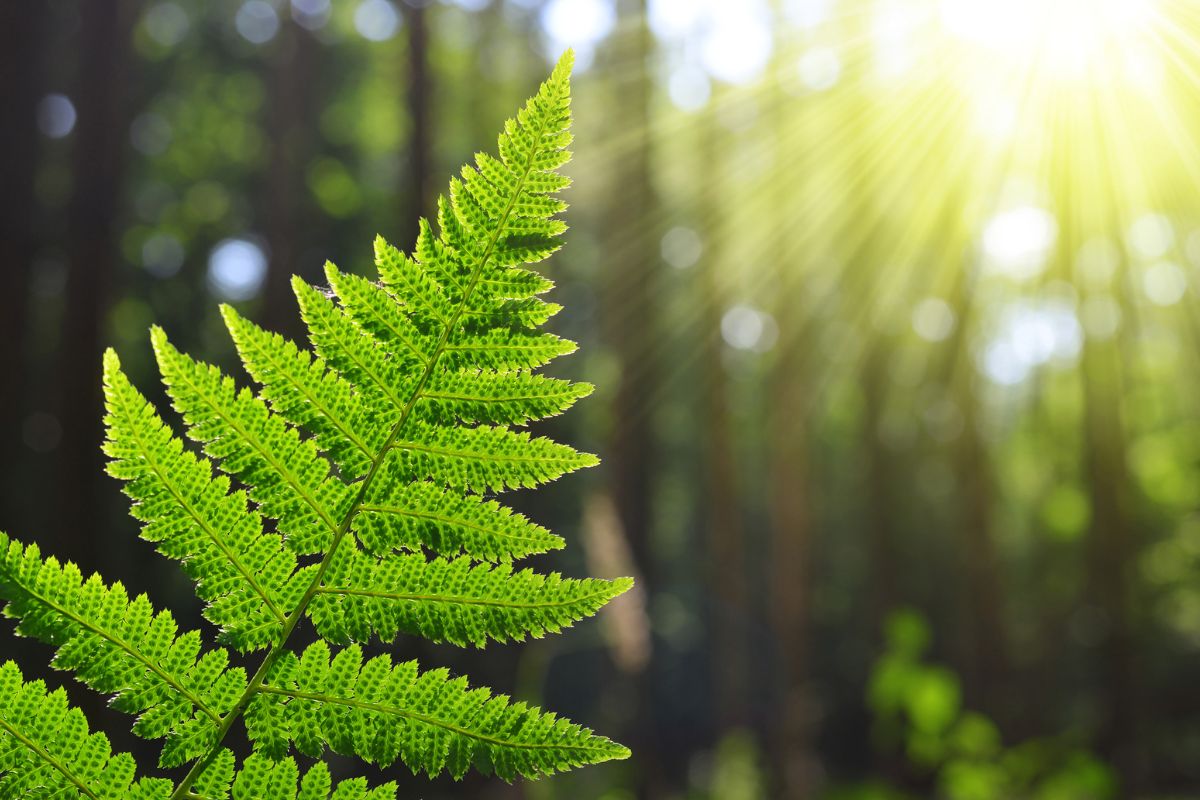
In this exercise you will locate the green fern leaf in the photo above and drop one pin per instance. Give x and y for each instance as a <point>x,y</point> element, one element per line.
<point>509,398</point>
<point>46,750</point>
<point>260,778</point>
<point>504,350</point>
<point>483,459</point>
<point>397,514</point>
<point>381,713</point>
<point>286,474</point>
<point>361,471</point>
<point>122,647</point>
<point>247,577</point>
<point>303,391</point>
<point>449,600</point>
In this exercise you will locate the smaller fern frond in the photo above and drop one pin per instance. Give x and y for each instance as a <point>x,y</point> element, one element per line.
<point>247,577</point>
<point>504,351</point>
<point>483,459</point>
<point>424,298</point>
<point>287,476</point>
<point>381,315</point>
<point>383,379</point>
<point>122,647</point>
<point>397,514</point>
<point>383,712</point>
<point>46,750</point>
<point>261,778</point>
<point>508,398</point>
<point>449,600</point>
<point>303,391</point>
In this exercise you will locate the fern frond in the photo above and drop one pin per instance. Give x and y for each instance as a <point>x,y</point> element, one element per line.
<point>495,398</point>
<point>122,647</point>
<point>381,315</point>
<point>382,712</point>
<point>247,577</point>
<point>361,472</point>
<point>482,459</point>
<point>261,778</point>
<point>504,350</point>
<point>303,391</point>
<point>46,750</point>
<point>285,474</point>
<point>385,380</point>
<point>449,600</point>
<point>397,514</point>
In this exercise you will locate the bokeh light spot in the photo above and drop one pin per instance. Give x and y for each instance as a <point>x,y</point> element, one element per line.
<point>1164,283</point>
<point>689,88</point>
<point>376,20</point>
<point>1151,236</point>
<point>56,115</point>
<point>166,23</point>
<point>150,134</point>
<point>1016,242</point>
<point>737,46</point>
<point>933,319</point>
<point>162,255</point>
<point>579,24</point>
<point>744,327</point>
<point>1100,316</point>
<point>681,247</point>
<point>311,14</point>
<point>819,68</point>
<point>256,21</point>
<point>236,269</point>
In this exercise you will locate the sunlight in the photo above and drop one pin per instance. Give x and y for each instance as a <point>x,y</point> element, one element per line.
<point>1065,39</point>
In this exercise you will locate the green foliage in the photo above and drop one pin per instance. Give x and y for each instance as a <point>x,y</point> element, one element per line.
<point>920,704</point>
<point>46,749</point>
<point>348,491</point>
<point>380,712</point>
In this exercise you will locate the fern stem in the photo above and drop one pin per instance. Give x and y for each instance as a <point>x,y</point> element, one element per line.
<point>256,681</point>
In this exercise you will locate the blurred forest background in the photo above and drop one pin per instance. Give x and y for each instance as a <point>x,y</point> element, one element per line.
<point>891,305</point>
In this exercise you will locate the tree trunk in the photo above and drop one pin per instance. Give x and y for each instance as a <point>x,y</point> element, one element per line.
<point>721,504</point>
<point>20,65</point>
<point>419,192</point>
<point>290,118</point>
<point>627,326</point>
<point>102,103</point>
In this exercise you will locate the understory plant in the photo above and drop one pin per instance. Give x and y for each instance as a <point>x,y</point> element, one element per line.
<point>351,491</point>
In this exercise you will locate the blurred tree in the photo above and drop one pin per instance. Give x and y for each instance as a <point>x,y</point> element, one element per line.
<point>792,137</point>
<point>102,92</point>
<point>420,191</point>
<point>724,532</point>
<point>22,42</point>
<point>291,109</point>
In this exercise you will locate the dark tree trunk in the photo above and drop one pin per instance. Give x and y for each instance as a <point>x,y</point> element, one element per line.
<point>1111,547</point>
<point>418,194</point>
<point>987,657</point>
<point>20,70</point>
<point>721,504</point>
<point>627,325</point>
<point>102,102</point>
<point>290,120</point>
<point>789,545</point>
<point>881,476</point>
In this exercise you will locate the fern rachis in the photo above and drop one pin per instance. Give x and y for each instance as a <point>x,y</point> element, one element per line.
<point>349,490</point>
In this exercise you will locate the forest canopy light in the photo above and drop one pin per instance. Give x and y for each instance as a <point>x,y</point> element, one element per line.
<point>1062,39</point>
